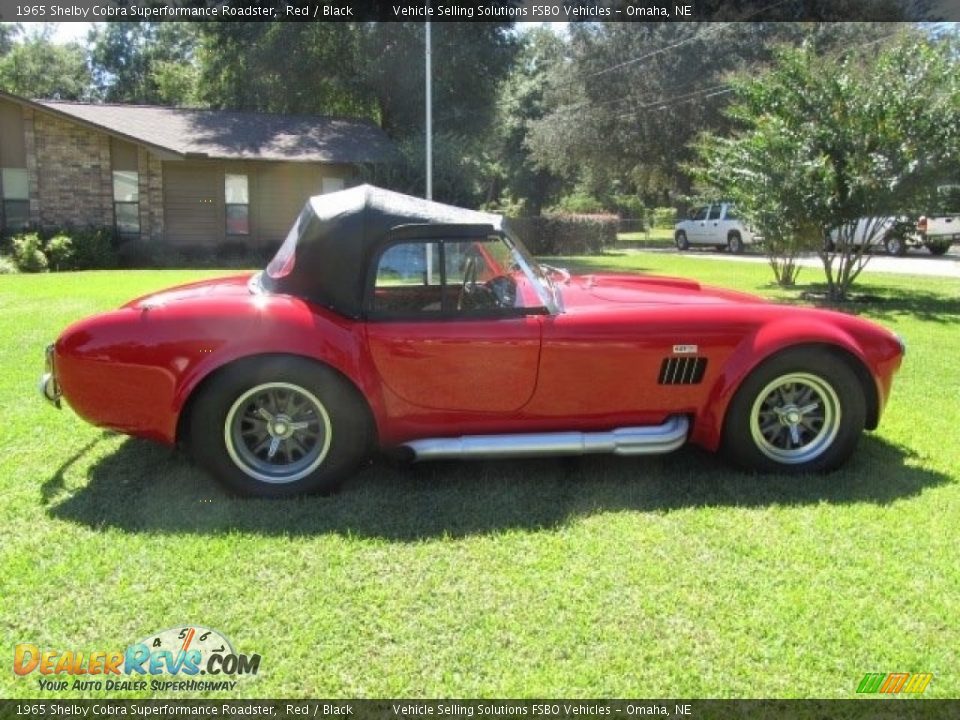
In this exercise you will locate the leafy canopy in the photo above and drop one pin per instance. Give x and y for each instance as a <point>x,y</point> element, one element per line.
<point>823,141</point>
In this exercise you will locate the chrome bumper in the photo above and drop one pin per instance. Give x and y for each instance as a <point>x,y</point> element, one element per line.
<point>49,387</point>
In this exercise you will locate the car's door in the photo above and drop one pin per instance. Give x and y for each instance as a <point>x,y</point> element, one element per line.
<point>448,325</point>
<point>697,225</point>
<point>728,222</point>
<point>711,226</point>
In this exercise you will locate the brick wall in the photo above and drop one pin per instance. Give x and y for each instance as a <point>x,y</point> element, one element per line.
<point>74,180</point>
<point>71,177</point>
<point>151,196</point>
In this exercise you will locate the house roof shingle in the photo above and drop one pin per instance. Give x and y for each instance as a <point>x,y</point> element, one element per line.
<point>228,134</point>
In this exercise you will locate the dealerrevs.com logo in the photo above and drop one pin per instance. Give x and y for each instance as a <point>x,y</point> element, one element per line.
<point>185,653</point>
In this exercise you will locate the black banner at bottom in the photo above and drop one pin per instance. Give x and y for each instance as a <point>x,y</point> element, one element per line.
<point>872,709</point>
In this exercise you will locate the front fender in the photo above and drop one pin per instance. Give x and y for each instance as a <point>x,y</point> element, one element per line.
<point>768,340</point>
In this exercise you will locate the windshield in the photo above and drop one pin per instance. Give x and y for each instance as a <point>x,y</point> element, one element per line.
<point>540,278</point>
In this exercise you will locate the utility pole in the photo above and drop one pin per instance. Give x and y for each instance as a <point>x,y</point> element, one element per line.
<point>429,118</point>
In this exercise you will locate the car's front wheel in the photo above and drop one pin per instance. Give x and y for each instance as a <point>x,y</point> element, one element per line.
<point>682,242</point>
<point>800,411</point>
<point>279,426</point>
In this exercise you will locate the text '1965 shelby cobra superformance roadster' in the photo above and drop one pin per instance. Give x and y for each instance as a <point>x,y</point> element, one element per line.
<point>389,322</point>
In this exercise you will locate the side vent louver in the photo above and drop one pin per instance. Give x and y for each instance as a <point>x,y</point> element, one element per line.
<point>682,370</point>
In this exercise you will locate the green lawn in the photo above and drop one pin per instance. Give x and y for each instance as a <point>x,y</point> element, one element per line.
<point>655,237</point>
<point>671,576</point>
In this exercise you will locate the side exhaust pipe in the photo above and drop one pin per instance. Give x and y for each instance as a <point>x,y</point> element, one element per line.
<point>647,440</point>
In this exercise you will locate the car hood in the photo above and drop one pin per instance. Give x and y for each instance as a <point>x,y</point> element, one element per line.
<point>590,291</point>
<point>236,285</point>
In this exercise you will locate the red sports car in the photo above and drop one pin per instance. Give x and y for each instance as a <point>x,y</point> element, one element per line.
<point>386,321</point>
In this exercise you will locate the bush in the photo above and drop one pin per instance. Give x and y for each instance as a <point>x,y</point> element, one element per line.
<point>7,266</point>
<point>577,204</point>
<point>27,253</point>
<point>59,250</point>
<point>567,234</point>
<point>664,217</point>
<point>94,249</point>
<point>629,206</point>
<point>138,253</point>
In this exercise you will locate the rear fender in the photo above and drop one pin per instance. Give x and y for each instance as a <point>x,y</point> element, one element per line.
<point>334,344</point>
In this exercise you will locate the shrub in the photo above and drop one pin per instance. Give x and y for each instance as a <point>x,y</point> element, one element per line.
<point>629,206</point>
<point>138,253</point>
<point>94,249</point>
<point>577,204</point>
<point>664,217</point>
<point>7,265</point>
<point>566,234</point>
<point>59,250</point>
<point>27,253</point>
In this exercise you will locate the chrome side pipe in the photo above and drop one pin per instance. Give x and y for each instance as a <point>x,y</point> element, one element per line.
<point>646,440</point>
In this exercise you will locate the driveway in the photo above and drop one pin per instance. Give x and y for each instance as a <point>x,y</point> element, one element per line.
<point>915,262</point>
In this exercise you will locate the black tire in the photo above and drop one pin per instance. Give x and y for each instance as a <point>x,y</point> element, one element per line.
<point>938,248</point>
<point>757,432</point>
<point>720,248</point>
<point>735,243</point>
<point>260,401</point>
<point>682,242</point>
<point>895,245</point>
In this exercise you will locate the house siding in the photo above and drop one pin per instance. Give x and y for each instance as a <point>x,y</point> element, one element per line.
<point>194,199</point>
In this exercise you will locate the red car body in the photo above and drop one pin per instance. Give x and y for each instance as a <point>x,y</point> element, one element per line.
<point>618,355</point>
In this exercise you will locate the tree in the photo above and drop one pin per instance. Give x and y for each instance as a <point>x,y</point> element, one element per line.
<point>824,141</point>
<point>8,34</point>
<point>296,68</point>
<point>627,99</point>
<point>521,180</point>
<point>37,67</point>
<point>372,70</point>
<point>146,62</point>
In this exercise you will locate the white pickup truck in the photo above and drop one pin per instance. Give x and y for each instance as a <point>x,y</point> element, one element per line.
<point>937,231</point>
<point>716,224</point>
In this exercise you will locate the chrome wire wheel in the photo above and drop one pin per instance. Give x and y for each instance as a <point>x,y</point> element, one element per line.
<point>795,418</point>
<point>277,432</point>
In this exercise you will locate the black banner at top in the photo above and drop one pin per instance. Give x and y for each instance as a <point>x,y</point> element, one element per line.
<point>481,10</point>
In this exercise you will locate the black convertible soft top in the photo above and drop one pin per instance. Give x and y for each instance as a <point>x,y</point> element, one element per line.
<point>325,254</point>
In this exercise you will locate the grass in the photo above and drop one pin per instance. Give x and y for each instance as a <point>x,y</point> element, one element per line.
<point>654,238</point>
<point>673,576</point>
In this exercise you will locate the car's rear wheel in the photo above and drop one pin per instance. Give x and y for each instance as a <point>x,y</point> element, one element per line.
<point>735,243</point>
<point>938,248</point>
<point>800,411</point>
<point>279,426</point>
<point>682,242</point>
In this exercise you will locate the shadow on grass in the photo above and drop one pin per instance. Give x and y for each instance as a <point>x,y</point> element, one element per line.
<point>148,489</point>
<point>886,302</point>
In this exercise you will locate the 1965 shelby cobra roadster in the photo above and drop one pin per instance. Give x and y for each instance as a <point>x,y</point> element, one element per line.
<point>386,321</point>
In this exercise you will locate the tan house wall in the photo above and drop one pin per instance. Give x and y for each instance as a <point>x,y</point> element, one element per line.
<point>193,198</point>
